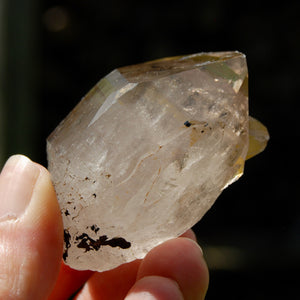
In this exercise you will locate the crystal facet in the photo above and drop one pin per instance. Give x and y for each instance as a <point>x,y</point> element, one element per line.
<point>146,153</point>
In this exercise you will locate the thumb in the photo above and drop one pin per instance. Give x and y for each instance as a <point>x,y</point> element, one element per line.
<point>30,231</point>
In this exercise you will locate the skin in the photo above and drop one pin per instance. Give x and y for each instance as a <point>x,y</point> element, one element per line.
<point>31,247</point>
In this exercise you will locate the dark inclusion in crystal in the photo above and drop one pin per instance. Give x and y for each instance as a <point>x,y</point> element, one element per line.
<point>88,243</point>
<point>95,228</point>
<point>187,124</point>
<point>67,238</point>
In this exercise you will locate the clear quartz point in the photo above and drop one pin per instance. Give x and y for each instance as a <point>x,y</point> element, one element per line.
<point>147,152</point>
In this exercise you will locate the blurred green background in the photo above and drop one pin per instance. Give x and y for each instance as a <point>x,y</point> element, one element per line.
<point>53,52</point>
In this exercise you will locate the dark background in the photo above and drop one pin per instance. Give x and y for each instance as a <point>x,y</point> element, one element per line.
<point>53,52</point>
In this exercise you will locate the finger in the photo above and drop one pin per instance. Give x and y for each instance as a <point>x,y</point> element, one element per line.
<point>180,260</point>
<point>113,284</point>
<point>31,239</point>
<point>69,281</point>
<point>155,288</point>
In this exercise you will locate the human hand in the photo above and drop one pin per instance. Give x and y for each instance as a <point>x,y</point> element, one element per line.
<point>31,246</point>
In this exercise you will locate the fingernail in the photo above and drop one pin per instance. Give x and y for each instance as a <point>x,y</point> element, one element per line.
<point>17,181</point>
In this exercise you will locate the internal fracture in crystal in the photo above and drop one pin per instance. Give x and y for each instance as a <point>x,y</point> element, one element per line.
<point>147,152</point>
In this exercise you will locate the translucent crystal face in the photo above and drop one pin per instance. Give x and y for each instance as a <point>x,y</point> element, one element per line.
<point>146,153</point>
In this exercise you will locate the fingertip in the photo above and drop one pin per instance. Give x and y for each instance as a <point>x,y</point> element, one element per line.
<point>31,238</point>
<point>181,260</point>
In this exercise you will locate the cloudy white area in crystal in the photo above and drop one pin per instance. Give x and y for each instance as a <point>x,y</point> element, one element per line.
<point>146,153</point>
